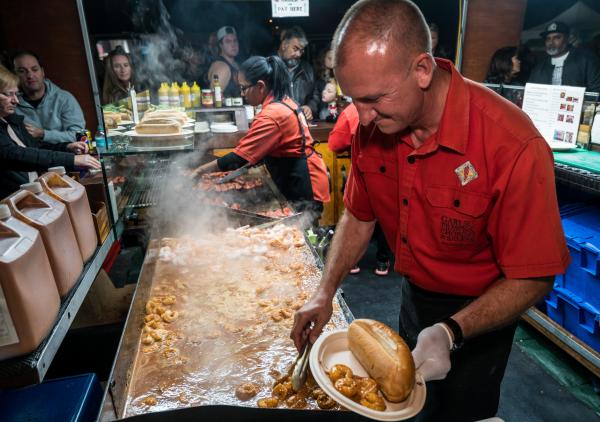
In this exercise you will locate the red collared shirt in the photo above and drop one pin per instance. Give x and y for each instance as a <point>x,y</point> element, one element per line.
<point>476,202</point>
<point>275,132</point>
<point>340,138</point>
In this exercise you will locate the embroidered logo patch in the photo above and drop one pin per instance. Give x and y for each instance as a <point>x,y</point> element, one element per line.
<point>454,230</point>
<point>466,173</point>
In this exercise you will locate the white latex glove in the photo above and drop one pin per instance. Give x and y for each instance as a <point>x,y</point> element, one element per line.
<point>432,354</point>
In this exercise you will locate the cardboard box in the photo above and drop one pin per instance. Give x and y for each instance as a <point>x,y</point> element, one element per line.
<point>101,221</point>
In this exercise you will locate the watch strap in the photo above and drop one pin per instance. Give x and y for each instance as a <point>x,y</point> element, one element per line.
<point>456,333</point>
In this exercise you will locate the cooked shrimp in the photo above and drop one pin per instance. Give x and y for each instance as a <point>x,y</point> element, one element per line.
<point>339,371</point>
<point>170,316</point>
<point>269,402</point>
<point>373,401</point>
<point>346,386</point>
<point>246,391</point>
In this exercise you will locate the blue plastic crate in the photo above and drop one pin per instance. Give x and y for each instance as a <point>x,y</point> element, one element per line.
<point>71,399</point>
<point>575,315</point>
<point>581,224</point>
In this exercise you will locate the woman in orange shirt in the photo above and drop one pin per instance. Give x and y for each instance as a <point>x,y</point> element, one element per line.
<point>278,136</point>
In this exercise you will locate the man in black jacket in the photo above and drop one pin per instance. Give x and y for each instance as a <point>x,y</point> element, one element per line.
<point>565,64</point>
<point>291,49</point>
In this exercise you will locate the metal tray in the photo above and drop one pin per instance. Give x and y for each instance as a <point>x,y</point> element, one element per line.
<point>115,397</point>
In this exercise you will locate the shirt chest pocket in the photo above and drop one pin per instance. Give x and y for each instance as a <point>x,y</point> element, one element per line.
<point>381,182</point>
<point>459,217</point>
<point>376,168</point>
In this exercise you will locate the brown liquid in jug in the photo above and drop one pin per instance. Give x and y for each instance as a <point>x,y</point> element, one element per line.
<point>73,195</point>
<point>51,219</point>
<point>29,300</point>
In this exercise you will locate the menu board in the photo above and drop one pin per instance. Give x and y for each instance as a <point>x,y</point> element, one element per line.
<point>555,111</point>
<point>289,8</point>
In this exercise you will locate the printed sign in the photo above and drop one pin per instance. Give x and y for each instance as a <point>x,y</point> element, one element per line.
<point>289,8</point>
<point>555,111</point>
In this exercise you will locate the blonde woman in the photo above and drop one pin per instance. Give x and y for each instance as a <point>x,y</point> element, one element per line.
<point>22,155</point>
<point>118,77</point>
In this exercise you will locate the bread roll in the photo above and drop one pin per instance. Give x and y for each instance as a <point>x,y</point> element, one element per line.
<point>111,119</point>
<point>385,356</point>
<point>181,117</point>
<point>158,127</point>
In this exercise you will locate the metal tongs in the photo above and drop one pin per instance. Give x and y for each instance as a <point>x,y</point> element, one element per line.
<point>236,173</point>
<point>300,371</point>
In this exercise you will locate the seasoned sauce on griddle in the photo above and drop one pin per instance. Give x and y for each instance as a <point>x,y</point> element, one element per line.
<point>219,318</point>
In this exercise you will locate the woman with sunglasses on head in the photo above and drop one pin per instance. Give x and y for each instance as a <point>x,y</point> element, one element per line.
<point>21,155</point>
<point>279,136</point>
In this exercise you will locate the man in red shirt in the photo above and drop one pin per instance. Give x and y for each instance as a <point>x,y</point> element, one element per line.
<point>463,186</point>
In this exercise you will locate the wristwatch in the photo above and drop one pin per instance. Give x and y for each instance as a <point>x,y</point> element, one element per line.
<point>456,333</point>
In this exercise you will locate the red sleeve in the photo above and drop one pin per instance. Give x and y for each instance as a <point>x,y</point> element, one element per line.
<point>341,135</point>
<point>356,198</point>
<point>262,138</point>
<point>525,222</point>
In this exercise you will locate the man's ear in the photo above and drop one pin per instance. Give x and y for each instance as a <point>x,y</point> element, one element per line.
<point>423,67</point>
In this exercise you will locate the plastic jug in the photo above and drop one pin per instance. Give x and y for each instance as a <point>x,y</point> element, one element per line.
<point>71,193</point>
<point>29,300</point>
<point>50,217</point>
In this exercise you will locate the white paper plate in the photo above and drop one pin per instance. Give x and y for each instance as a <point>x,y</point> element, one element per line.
<point>134,134</point>
<point>127,122</point>
<point>332,348</point>
<point>224,129</point>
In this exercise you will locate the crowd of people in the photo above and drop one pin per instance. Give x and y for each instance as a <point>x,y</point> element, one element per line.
<point>563,64</point>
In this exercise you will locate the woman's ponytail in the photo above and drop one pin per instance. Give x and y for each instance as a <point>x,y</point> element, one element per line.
<point>272,71</point>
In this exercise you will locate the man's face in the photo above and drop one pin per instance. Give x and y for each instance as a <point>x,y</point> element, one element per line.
<point>556,44</point>
<point>230,45</point>
<point>291,51</point>
<point>31,74</point>
<point>389,92</point>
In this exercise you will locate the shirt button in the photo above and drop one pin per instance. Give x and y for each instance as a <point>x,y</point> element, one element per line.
<point>405,202</point>
<point>457,203</point>
<point>404,240</point>
<point>382,169</point>
<point>411,160</point>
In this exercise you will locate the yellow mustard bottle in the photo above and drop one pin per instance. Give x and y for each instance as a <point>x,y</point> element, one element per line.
<point>174,95</point>
<point>163,94</point>
<point>184,95</point>
<point>195,95</point>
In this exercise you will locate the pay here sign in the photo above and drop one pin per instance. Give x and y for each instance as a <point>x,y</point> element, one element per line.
<point>289,8</point>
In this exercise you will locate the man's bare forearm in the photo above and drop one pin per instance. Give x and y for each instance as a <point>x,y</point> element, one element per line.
<point>502,303</point>
<point>349,243</point>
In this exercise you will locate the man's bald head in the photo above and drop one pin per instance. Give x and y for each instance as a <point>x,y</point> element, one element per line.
<point>381,24</point>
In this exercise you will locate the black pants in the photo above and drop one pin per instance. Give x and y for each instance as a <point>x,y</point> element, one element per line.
<point>471,390</point>
<point>384,253</point>
<point>312,210</point>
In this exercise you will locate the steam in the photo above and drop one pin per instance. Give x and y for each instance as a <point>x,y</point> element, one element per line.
<point>155,61</point>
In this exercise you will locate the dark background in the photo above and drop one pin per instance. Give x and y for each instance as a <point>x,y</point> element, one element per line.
<point>193,21</point>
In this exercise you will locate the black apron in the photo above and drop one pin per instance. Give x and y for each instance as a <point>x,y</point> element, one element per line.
<point>291,174</point>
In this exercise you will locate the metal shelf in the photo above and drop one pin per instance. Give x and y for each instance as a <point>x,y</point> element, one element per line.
<point>584,354</point>
<point>31,368</point>
<point>583,180</point>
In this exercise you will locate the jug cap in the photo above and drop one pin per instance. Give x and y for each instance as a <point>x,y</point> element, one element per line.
<point>33,187</point>
<point>59,169</point>
<point>4,211</point>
